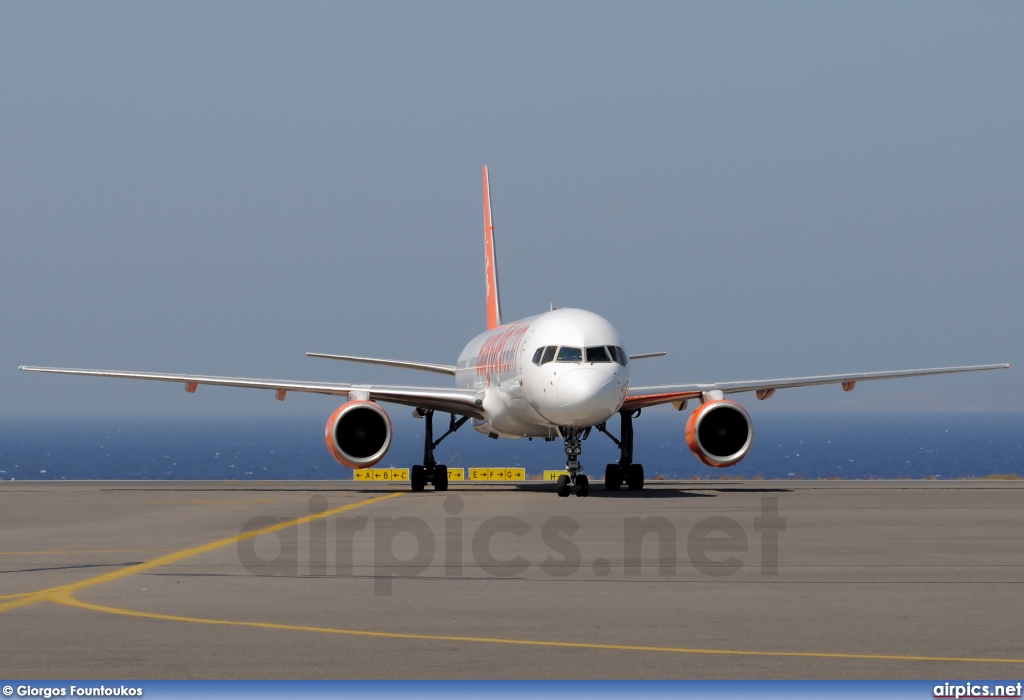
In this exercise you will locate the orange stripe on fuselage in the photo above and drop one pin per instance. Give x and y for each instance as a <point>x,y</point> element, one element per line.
<point>499,352</point>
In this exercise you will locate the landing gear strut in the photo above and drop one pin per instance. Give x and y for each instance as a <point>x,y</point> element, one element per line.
<point>625,470</point>
<point>430,471</point>
<point>575,479</point>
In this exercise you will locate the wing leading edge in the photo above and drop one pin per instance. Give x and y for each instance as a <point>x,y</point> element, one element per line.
<point>465,402</point>
<point>404,364</point>
<point>641,397</point>
<point>468,401</point>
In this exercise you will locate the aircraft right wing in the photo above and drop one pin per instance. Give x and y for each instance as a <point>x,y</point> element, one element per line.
<point>466,402</point>
<point>640,397</point>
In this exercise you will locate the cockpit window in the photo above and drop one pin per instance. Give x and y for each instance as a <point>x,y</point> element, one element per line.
<point>618,354</point>
<point>570,354</point>
<point>537,355</point>
<point>598,354</point>
<point>549,354</point>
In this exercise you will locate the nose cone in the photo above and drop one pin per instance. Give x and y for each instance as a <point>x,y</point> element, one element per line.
<point>586,396</point>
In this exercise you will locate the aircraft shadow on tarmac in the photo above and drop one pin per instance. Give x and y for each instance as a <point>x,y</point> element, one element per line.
<point>597,491</point>
<point>659,492</point>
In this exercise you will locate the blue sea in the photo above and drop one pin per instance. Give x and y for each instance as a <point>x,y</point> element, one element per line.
<point>786,446</point>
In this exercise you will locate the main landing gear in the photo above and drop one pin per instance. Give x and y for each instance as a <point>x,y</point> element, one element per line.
<point>575,480</point>
<point>625,471</point>
<point>430,471</point>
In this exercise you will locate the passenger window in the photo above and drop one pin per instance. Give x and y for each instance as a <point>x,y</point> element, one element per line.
<point>549,354</point>
<point>537,356</point>
<point>570,354</point>
<point>598,354</point>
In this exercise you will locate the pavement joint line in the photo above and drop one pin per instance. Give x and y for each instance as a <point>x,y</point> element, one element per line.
<point>165,503</point>
<point>48,594</point>
<point>63,597</point>
<point>90,551</point>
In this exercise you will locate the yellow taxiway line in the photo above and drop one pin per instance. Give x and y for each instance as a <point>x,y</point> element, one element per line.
<point>64,595</point>
<point>48,594</point>
<point>14,595</point>
<point>68,599</point>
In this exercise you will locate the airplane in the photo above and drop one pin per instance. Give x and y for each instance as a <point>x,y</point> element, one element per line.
<point>557,375</point>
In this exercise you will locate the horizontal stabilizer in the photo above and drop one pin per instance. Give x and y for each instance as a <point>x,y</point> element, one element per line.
<point>405,364</point>
<point>645,355</point>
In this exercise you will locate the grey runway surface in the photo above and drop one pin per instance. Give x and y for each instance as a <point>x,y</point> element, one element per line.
<point>706,579</point>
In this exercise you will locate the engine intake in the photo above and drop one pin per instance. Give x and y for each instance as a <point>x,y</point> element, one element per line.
<point>358,434</point>
<point>719,433</point>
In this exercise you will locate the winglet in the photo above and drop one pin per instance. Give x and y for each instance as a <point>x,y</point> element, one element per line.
<point>490,264</point>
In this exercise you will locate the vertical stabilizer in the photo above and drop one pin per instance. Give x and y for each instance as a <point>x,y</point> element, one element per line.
<point>490,263</point>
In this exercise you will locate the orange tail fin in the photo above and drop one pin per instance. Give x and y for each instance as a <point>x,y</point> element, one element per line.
<point>490,264</point>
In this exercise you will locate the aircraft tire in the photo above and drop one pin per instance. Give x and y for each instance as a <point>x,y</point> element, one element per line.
<point>418,477</point>
<point>440,478</point>
<point>582,485</point>
<point>635,477</point>
<point>612,477</point>
<point>563,486</point>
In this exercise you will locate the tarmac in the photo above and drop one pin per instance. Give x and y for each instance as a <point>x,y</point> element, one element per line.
<point>343,579</point>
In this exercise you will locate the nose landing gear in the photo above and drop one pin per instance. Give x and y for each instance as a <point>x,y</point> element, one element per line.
<point>575,479</point>
<point>625,471</point>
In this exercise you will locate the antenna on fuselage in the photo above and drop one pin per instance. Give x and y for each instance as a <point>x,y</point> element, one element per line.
<point>490,263</point>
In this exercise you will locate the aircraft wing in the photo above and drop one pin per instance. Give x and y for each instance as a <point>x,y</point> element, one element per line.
<point>640,397</point>
<point>464,402</point>
<point>404,364</point>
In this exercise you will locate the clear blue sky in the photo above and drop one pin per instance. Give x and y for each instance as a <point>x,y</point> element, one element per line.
<point>760,189</point>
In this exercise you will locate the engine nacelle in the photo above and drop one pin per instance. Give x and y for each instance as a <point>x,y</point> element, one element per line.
<point>719,433</point>
<point>358,434</point>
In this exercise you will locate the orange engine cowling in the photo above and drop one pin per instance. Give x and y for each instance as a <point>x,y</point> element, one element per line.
<point>720,433</point>
<point>358,434</point>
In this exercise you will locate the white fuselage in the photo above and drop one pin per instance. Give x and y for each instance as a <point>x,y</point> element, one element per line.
<point>563,368</point>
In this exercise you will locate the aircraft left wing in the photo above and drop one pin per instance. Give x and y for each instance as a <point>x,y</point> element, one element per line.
<point>643,396</point>
<point>466,402</point>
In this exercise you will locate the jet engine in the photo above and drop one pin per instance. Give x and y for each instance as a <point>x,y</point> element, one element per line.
<point>719,433</point>
<point>358,434</point>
